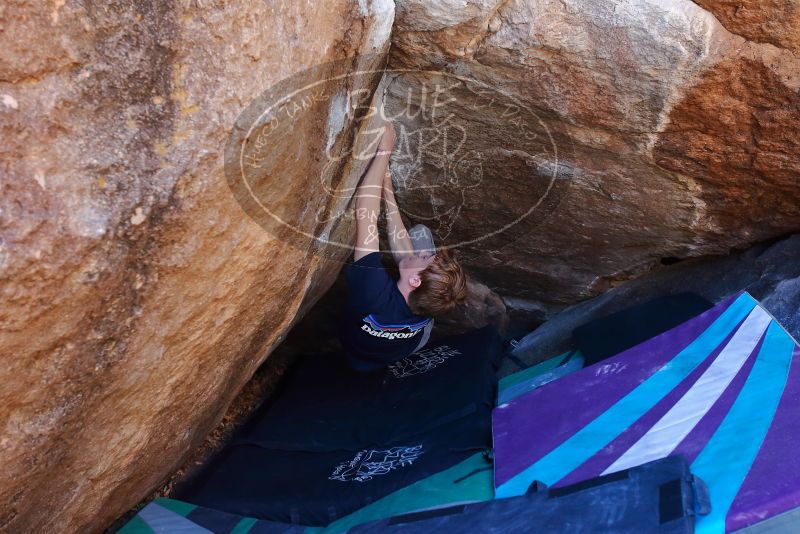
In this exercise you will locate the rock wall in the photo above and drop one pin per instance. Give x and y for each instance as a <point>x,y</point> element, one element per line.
<point>137,295</point>
<point>607,137</point>
<point>768,271</point>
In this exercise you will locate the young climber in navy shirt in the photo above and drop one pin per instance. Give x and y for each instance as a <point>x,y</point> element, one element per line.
<point>386,319</point>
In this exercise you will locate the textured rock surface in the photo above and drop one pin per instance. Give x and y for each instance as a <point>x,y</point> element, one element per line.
<point>676,138</point>
<point>137,296</point>
<point>769,272</point>
<point>764,21</point>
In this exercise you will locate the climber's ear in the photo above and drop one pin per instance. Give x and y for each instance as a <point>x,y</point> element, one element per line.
<point>414,281</point>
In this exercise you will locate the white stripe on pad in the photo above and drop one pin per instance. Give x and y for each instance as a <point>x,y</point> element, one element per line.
<point>676,424</point>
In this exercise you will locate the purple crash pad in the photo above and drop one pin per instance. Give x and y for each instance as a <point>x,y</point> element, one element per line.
<point>722,389</point>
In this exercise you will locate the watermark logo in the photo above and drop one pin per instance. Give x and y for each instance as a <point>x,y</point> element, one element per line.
<point>473,162</point>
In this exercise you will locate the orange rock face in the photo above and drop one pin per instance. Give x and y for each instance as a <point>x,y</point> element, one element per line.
<point>762,21</point>
<point>736,133</point>
<point>137,295</point>
<point>601,137</point>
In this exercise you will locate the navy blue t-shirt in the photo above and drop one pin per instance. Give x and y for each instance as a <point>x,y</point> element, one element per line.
<point>377,327</point>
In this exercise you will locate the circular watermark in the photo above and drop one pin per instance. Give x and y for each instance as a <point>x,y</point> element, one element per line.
<point>472,162</point>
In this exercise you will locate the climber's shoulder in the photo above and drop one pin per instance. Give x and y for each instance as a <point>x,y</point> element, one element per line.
<point>370,288</point>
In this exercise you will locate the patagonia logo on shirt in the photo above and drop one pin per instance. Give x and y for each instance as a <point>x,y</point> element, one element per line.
<point>403,331</point>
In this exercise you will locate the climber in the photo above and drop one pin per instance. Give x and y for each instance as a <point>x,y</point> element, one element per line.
<point>386,319</point>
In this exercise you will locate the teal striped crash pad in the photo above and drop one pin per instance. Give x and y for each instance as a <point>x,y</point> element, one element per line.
<point>525,381</point>
<point>467,482</point>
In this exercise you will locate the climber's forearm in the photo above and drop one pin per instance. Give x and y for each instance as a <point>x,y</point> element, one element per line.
<point>368,205</point>
<point>399,240</point>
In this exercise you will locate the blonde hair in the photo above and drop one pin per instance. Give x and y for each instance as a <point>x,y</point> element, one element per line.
<point>443,286</point>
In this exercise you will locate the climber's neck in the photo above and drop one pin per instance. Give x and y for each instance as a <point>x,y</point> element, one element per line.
<point>404,288</point>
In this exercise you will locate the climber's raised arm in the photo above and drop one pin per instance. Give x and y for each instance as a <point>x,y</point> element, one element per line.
<point>368,196</point>
<point>399,241</point>
<point>388,316</point>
